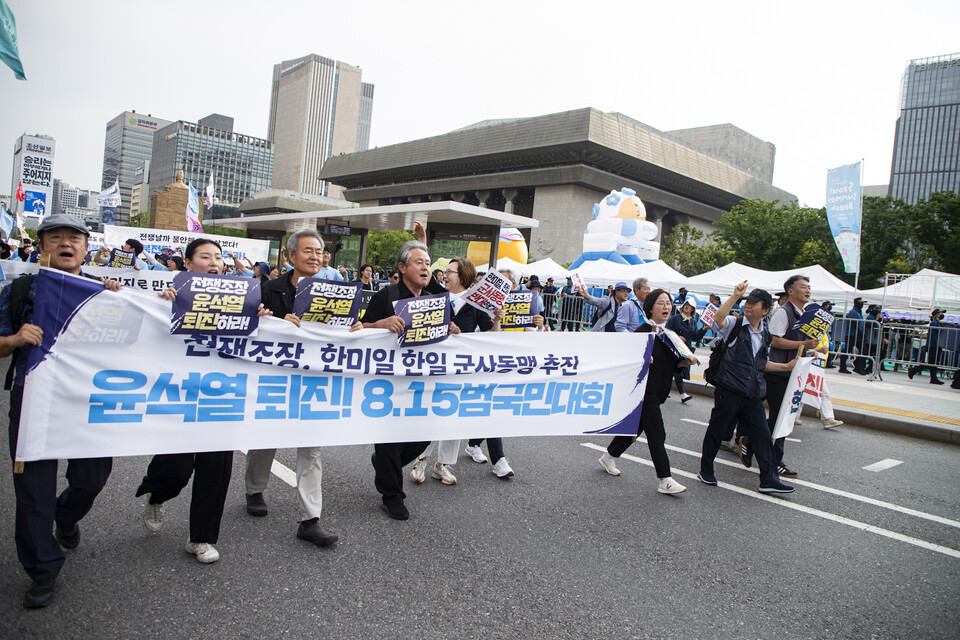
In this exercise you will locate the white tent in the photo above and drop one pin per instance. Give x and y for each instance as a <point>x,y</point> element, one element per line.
<point>823,284</point>
<point>917,296</point>
<point>544,269</point>
<point>605,273</point>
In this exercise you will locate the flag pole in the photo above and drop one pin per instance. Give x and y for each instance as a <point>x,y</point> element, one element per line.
<point>856,277</point>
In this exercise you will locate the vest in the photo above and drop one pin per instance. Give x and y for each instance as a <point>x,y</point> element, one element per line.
<point>741,371</point>
<point>786,355</point>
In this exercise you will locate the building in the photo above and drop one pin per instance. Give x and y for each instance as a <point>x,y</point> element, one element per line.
<point>319,108</point>
<point>926,146</point>
<point>241,164</point>
<point>128,142</point>
<point>553,168</point>
<point>33,168</point>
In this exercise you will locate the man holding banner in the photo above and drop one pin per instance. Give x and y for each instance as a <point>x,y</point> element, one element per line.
<point>305,248</point>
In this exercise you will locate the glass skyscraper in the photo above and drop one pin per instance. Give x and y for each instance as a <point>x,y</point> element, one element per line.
<point>926,148</point>
<point>128,142</point>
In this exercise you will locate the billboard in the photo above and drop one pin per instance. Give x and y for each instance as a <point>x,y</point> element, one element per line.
<point>33,168</point>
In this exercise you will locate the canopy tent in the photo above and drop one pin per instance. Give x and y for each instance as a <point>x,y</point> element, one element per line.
<point>605,273</point>
<point>544,269</point>
<point>823,284</point>
<point>914,298</point>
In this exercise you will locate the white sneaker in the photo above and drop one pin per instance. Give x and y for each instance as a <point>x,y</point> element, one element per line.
<point>729,445</point>
<point>609,464</point>
<point>476,454</point>
<point>829,424</point>
<point>669,485</point>
<point>685,397</point>
<point>205,552</point>
<point>442,473</point>
<point>419,471</point>
<point>153,516</point>
<point>502,469</point>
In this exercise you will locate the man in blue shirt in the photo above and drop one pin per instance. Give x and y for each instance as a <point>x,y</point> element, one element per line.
<point>326,271</point>
<point>630,315</point>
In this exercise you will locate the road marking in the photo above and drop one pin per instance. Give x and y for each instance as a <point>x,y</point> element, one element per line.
<point>792,439</point>
<point>283,472</point>
<point>883,465</point>
<point>856,524</point>
<point>819,487</point>
<point>707,424</point>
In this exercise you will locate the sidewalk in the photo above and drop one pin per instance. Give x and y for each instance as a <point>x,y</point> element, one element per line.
<point>896,404</point>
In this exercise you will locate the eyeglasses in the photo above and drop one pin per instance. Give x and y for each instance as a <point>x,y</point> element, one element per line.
<point>451,271</point>
<point>663,303</point>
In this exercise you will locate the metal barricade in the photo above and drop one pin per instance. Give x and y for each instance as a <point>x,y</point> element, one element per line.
<point>857,340</point>
<point>567,313</point>
<point>935,350</point>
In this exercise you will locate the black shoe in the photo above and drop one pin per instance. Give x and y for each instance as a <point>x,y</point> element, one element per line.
<point>395,510</point>
<point>311,531</point>
<point>256,505</point>
<point>936,381</point>
<point>707,478</point>
<point>956,383</point>
<point>860,372</point>
<point>776,487</point>
<point>40,594</point>
<point>783,472</point>
<point>746,452</point>
<point>68,538</point>
<point>911,372</point>
<point>844,371</point>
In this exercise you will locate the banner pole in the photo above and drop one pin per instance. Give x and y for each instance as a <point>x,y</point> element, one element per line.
<point>856,277</point>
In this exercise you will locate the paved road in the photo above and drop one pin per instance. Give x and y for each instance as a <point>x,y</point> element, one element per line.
<point>560,551</point>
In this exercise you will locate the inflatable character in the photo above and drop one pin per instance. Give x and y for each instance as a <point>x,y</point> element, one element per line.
<point>512,245</point>
<point>619,231</point>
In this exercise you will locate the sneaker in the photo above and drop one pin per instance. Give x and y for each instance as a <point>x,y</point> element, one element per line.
<point>40,593</point>
<point>783,472</point>
<point>68,538</point>
<point>729,445</point>
<point>912,371</point>
<point>776,487</point>
<point>205,552</point>
<point>685,398</point>
<point>476,454</point>
<point>845,371</point>
<point>669,485</point>
<point>396,510</point>
<point>502,469</point>
<point>707,478</point>
<point>153,516</point>
<point>442,473</point>
<point>936,381</point>
<point>256,505</point>
<point>746,452</point>
<point>419,471</point>
<point>830,424</point>
<point>609,464</point>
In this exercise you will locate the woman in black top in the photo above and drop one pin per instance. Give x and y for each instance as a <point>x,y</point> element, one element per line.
<point>663,364</point>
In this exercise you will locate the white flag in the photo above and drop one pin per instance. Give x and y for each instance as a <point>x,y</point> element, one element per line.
<point>792,399</point>
<point>209,192</point>
<point>110,197</point>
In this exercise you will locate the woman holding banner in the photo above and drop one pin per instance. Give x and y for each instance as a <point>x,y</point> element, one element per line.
<point>663,365</point>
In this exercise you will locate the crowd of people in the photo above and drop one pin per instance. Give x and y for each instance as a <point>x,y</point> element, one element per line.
<point>757,343</point>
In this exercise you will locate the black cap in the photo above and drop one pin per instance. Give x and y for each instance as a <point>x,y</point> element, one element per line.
<point>761,296</point>
<point>856,300</point>
<point>534,282</point>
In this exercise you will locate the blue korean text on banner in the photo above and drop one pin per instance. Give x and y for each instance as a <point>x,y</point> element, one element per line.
<point>815,321</point>
<point>121,259</point>
<point>9,50</point>
<point>193,211</point>
<point>426,319</point>
<point>6,222</point>
<point>214,304</point>
<point>519,309</point>
<point>327,302</point>
<point>844,213</point>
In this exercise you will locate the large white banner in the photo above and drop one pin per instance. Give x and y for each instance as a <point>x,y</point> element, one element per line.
<point>156,240</point>
<point>144,279</point>
<point>110,380</point>
<point>792,398</point>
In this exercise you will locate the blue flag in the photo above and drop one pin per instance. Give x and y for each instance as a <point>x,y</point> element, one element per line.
<point>6,222</point>
<point>193,211</point>
<point>843,213</point>
<point>8,41</point>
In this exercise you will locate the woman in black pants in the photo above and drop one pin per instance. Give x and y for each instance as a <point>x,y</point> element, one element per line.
<point>663,365</point>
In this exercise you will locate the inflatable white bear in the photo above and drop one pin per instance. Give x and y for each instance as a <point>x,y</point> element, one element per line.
<point>619,231</point>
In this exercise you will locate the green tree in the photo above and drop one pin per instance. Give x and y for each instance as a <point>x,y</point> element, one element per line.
<point>937,225</point>
<point>690,251</point>
<point>141,219</point>
<point>888,242</point>
<point>383,246</point>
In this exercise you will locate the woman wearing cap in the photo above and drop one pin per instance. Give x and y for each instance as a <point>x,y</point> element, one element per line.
<point>685,324</point>
<point>663,364</point>
<point>168,474</point>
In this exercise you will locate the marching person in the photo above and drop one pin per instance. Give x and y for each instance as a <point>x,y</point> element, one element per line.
<point>605,315</point>
<point>664,363</point>
<point>630,315</point>
<point>168,474</point>
<point>305,250</point>
<point>46,524</point>
<point>741,387</point>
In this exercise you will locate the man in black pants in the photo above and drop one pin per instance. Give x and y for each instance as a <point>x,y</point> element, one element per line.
<point>741,387</point>
<point>64,238</point>
<point>413,262</point>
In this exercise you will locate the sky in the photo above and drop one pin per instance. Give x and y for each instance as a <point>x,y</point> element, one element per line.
<point>820,80</point>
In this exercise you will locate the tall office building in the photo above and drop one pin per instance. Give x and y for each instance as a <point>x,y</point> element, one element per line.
<point>318,108</point>
<point>128,142</point>
<point>926,147</point>
<point>33,168</point>
<point>241,164</point>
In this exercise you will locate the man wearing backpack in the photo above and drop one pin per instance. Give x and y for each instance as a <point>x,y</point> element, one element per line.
<point>741,386</point>
<point>630,315</point>
<point>605,317</point>
<point>64,238</point>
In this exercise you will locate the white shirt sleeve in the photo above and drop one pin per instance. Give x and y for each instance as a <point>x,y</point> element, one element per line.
<point>778,323</point>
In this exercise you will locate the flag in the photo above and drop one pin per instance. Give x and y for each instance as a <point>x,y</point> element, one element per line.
<point>792,398</point>
<point>193,211</point>
<point>6,222</point>
<point>209,192</point>
<point>8,41</point>
<point>21,196</point>
<point>110,197</point>
<point>844,213</point>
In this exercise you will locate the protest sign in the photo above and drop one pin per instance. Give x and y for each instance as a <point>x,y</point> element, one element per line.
<point>815,321</point>
<point>120,259</point>
<point>676,344</point>
<point>208,303</point>
<point>490,293</point>
<point>519,309</point>
<point>149,392</point>
<point>426,319</point>
<point>792,399</point>
<point>327,301</point>
<point>578,283</point>
<point>709,313</point>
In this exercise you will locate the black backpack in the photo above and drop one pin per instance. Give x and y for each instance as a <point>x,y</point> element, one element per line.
<point>20,303</point>
<point>712,371</point>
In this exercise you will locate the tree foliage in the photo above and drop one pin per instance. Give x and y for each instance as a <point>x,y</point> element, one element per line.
<point>141,220</point>
<point>383,246</point>
<point>690,251</point>
<point>938,227</point>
